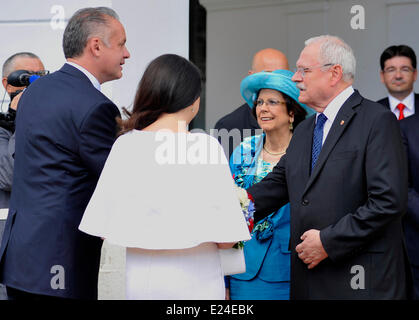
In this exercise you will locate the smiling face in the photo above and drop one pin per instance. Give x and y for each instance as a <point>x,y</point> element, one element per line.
<point>271,111</point>
<point>114,52</point>
<point>398,75</point>
<point>315,84</point>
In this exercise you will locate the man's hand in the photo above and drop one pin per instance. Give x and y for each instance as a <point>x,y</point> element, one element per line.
<point>15,101</point>
<point>311,250</point>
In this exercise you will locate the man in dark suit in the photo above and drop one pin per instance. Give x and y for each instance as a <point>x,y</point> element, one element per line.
<point>65,128</point>
<point>239,124</point>
<point>410,135</point>
<point>399,73</point>
<point>346,180</point>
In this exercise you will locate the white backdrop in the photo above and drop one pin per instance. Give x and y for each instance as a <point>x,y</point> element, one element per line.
<point>152,27</point>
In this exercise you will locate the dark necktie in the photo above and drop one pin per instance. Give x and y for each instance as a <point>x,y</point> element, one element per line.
<point>401,106</point>
<point>317,139</point>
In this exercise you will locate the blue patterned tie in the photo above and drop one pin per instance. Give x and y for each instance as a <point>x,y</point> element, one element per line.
<point>317,139</point>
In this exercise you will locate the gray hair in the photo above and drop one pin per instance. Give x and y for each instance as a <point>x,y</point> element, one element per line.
<point>9,64</point>
<point>84,24</point>
<point>334,50</point>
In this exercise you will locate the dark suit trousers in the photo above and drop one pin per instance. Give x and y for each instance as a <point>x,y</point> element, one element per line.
<point>15,294</point>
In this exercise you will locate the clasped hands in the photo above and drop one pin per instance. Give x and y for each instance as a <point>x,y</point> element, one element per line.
<point>311,250</point>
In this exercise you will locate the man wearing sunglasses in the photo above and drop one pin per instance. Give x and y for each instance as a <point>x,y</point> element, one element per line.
<point>18,61</point>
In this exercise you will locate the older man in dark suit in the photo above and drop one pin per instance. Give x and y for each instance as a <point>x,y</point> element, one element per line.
<point>59,156</point>
<point>346,180</point>
<point>410,135</point>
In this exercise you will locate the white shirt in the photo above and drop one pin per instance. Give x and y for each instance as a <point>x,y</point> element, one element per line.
<point>409,102</point>
<point>91,77</point>
<point>333,108</point>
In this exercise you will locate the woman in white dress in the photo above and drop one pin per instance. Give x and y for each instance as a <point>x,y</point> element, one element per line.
<point>167,194</point>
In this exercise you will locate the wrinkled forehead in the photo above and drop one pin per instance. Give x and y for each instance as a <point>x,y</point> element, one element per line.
<point>309,56</point>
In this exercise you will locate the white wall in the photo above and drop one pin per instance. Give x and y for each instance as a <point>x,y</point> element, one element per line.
<point>236,29</point>
<point>152,27</point>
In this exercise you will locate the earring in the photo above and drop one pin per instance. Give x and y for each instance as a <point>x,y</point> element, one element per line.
<point>291,126</point>
<point>192,110</point>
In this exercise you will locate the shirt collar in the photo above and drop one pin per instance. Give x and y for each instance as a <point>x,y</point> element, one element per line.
<point>91,77</point>
<point>409,102</point>
<point>334,106</point>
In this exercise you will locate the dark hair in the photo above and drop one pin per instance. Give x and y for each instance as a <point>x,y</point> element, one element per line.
<point>84,24</point>
<point>398,51</point>
<point>292,106</point>
<point>169,84</point>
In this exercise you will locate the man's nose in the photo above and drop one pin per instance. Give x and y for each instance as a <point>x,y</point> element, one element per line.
<point>296,77</point>
<point>127,54</point>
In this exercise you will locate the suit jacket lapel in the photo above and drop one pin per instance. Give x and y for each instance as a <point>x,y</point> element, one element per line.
<point>339,125</point>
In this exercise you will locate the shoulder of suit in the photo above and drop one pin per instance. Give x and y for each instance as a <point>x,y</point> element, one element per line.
<point>229,121</point>
<point>410,122</point>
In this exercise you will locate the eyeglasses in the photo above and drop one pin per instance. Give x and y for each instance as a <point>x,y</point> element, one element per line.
<point>269,102</point>
<point>403,70</point>
<point>303,70</point>
<point>41,72</point>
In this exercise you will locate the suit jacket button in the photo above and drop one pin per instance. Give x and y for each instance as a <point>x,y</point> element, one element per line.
<point>305,202</point>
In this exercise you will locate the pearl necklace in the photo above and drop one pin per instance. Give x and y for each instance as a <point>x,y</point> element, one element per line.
<point>274,154</point>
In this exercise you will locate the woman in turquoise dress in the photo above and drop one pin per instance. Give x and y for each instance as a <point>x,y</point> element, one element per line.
<point>273,97</point>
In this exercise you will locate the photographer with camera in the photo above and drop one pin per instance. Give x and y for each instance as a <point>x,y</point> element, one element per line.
<point>15,71</point>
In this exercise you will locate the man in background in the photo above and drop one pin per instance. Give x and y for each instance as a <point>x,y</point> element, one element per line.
<point>18,61</point>
<point>399,73</point>
<point>242,119</point>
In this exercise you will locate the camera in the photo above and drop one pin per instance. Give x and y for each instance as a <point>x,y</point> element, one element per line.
<point>23,78</point>
<point>18,78</point>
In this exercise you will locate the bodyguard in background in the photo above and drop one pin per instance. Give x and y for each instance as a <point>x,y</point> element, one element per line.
<point>18,61</point>
<point>59,156</point>
<point>399,73</point>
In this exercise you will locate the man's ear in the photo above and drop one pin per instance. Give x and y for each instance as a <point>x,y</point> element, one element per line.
<point>382,76</point>
<point>94,46</point>
<point>336,73</point>
<point>4,81</point>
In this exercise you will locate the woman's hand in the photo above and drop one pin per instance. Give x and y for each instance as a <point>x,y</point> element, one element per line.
<point>225,245</point>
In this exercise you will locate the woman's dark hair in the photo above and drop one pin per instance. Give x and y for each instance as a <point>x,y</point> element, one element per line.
<point>170,83</point>
<point>292,106</point>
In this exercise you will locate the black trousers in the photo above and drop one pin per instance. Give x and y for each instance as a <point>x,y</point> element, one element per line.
<point>15,294</point>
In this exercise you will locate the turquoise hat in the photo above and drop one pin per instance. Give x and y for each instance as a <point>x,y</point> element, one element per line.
<point>279,80</point>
